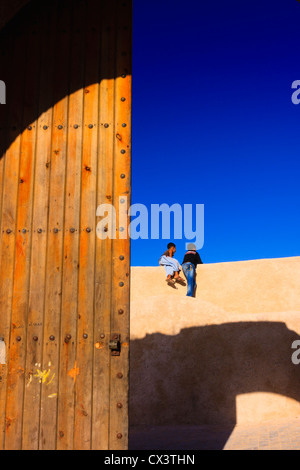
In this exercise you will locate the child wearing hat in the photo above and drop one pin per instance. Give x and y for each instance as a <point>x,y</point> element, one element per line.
<point>189,265</point>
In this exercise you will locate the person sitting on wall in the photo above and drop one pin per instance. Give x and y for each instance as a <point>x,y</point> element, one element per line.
<point>171,265</point>
<point>189,265</point>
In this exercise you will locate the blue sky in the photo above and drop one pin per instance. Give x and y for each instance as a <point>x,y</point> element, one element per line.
<point>214,124</point>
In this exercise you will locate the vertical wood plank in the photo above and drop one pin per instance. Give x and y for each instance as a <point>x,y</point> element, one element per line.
<point>53,294</point>
<point>121,246</point>
<point>23,240</point>
<point>9,214</point>
<point>34,375</point>
<point>68,366</point>
<point>103,272</point>
<point>6,45</point>
<point>83,409</point>
<point>7,48</point>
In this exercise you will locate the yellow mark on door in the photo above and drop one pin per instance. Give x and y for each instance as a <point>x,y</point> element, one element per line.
<point>44,375</point>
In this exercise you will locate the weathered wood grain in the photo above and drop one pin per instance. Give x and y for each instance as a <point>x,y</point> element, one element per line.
<point>65,149</point>
<point>85,348</point>
<point>54,266</point>
<point>11,331</point>
<point>69,311</point>
<point>23,242</point>
<point>34,373</point>
<point>103,269</point>
<point>121,246</point>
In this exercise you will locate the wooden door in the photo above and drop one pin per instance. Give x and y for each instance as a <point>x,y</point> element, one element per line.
<point>65,148</point>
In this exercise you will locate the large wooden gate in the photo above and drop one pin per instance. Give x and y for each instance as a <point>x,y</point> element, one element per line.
<point>65,142</point>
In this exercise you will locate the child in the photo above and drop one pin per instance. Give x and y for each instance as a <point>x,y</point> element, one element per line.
<point>171,265</point>
<point>189,264</point>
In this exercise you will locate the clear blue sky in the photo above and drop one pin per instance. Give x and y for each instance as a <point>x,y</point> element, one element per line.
<point>214,124</point>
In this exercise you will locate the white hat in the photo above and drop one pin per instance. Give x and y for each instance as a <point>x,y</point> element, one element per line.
<point>191,247</point>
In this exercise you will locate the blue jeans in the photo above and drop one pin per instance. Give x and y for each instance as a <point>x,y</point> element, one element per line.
<point>189,272</point>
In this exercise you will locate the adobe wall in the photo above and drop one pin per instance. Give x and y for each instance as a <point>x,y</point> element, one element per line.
<point>222,357</point>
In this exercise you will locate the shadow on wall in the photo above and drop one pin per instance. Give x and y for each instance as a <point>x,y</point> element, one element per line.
<point>193,378</point>
<point>41,53</point>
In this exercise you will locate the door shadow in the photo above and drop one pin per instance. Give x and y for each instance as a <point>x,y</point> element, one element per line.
<point>42,49</point>
<point>191,380</point>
